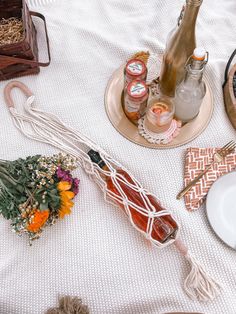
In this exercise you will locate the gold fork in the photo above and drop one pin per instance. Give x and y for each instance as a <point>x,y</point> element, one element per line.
<point>217,158</point>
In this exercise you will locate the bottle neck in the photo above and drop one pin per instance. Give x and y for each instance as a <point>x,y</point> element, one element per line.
<point>193,77</point>
<point>190,15</point>
<point>195,3</point>
<point>96,158</point>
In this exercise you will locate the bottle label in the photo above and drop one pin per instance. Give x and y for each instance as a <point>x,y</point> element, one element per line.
<point>135,67</point>
<point>131,107</point>
<point>137,90</point>
<point>134,107</point>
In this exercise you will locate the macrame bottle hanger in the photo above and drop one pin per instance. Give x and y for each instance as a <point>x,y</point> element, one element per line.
<point>47,128</point>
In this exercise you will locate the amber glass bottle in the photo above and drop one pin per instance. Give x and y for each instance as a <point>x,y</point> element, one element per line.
<point>179,48</point>
<point>163,228</point>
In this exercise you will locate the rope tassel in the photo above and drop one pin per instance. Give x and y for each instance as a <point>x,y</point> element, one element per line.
<point>198,285</point>
<point>118,185</point>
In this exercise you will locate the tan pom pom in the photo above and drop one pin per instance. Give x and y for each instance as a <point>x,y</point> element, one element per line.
<point>69,305</point>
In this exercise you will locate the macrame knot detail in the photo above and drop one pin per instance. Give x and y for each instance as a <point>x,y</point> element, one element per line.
<point>151,215</point>
<point>113,174</point>
<point>141,190</point>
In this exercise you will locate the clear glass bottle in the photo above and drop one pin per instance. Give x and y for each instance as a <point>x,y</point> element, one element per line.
<point>191,91</point>
<point>179,48</point>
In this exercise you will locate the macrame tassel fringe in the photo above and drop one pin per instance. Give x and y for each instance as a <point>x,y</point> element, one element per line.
<point>198,285</point>
<point>69,305</point>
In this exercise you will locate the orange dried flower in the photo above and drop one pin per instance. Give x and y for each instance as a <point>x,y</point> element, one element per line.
<point>64,186</point>
<point>66,197</point>
<point>40,217</point>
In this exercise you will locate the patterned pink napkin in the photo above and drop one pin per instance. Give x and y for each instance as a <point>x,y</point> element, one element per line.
<point>196,160</point>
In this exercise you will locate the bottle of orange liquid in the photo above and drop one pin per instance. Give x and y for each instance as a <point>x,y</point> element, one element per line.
<point>163,227</point>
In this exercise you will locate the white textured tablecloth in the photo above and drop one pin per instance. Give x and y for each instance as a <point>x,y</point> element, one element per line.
<point>95,253</point>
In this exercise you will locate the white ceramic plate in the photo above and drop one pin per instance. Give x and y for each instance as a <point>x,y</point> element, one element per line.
<point>221,208</point>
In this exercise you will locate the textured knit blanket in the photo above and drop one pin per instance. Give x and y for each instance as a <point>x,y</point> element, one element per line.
<point>95,253</point>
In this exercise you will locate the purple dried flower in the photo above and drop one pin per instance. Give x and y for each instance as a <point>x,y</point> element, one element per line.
<point>75,186</point>
<point>64,175</point>
<point>76,182</point>
<point>60,173</point>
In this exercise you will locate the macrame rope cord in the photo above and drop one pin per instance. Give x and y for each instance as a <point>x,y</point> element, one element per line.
<point>47,128</point>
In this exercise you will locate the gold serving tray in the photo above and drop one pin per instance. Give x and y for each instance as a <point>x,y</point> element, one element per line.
<point>125,127</point>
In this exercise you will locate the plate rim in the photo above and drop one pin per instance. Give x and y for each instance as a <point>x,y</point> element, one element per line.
<point>147,144</point>
<point>220,179</point>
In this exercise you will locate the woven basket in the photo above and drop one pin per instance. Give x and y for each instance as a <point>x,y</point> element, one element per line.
<point>229,97</point>
<point>21,58</point>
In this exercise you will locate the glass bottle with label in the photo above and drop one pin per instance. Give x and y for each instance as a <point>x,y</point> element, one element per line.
<point>191,91</point>
<point>135,100</point>
<point>163,228</point>
<point>135,70</point>
<point>179,48</point>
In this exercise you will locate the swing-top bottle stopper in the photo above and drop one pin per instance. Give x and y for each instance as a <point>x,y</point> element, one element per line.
<point>198,59</point>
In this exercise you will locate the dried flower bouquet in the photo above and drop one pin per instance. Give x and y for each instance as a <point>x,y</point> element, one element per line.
<point>36,191</point>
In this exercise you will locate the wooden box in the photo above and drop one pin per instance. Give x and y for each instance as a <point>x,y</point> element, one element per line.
<point>228,89</point>
<point>21,58</point>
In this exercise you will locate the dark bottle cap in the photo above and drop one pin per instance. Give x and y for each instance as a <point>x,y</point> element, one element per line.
<point>96,158</point>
